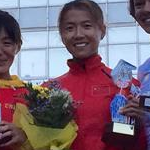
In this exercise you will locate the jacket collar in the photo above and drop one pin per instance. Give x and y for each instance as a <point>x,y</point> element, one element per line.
<point>14,82</point>
<point>86,64</point>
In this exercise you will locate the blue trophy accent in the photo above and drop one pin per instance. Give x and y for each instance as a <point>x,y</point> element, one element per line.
<point>122,130</point>
<point>122,77</point>
<point>135,90</point>
<point>122,73</point>
<point>118,102</point>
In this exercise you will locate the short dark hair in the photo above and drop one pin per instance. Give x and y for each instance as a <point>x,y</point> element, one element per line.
<point>132,8</point>
<point>89,5</point>
<point>11,27</point>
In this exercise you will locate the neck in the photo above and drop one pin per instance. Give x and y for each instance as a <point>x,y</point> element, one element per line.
<point>83,59</point>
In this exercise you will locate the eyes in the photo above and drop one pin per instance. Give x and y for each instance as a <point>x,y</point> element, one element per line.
<point>88,26</point>
<point>72,27</point>
<point>69,28</point>
<point>8,43</point>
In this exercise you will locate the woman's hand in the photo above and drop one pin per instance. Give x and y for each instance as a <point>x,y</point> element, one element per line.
<point>133,109</point>
<point>12,134</point>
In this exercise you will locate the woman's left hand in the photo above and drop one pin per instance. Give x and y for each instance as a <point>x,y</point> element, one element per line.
<point>133,109</point>
<point>9,130</point>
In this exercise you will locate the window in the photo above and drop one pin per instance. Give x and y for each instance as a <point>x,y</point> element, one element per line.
<point>57,2</point>
<point>53,16</point>
<point>33,17</point>
<point>29,3</point>
<point>8,3</point>
<point>116,0</point>
<point>143,36</point>
<point>55,39</point>
<point>126,52</point>
<point>33,63</point>
<point>144,53</point>
<point>14,67</point>
<point>122,35</point>
<point>58,61</point>
<point>118,12</point>
<point>103,53</point>
<point>34,39</point>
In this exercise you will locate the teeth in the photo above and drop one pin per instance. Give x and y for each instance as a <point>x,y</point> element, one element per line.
<point>80,45</point>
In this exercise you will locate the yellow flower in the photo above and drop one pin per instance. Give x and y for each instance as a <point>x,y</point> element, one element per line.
<point>39,88</point>
<point>43,91</point>
<point>43,94</point>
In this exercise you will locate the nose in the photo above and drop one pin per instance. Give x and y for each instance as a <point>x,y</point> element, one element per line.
<point>79,32</point>
<point>147,6</point>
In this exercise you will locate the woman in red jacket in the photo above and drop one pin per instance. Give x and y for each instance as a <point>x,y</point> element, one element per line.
<point>81,26</point>
<point>11,87</point>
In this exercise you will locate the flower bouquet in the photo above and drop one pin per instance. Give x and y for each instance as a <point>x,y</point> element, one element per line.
<point>48,117</point>
<point>50,106</point>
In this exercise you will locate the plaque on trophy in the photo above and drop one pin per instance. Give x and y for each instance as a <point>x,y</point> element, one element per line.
<point>145,101</point>
<point>121,124</point>
<point>122,129</point>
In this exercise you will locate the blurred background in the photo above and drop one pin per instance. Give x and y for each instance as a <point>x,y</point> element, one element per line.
<point>44,56</point>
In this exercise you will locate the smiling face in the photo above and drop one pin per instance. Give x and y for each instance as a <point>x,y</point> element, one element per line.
<point>7,53</point>
<point>142,13</point>
<point>80,33</point>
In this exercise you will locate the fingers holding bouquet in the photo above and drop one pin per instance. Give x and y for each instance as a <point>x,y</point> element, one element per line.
<point>10,134</point>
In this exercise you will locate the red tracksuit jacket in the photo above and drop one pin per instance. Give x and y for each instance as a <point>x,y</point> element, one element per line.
<point>8,99</point>
<point>90,83</point>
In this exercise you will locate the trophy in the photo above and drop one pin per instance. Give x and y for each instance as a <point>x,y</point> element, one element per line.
<point>122,129</point>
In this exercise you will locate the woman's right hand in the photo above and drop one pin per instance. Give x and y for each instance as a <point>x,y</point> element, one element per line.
<point>10,134</point>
